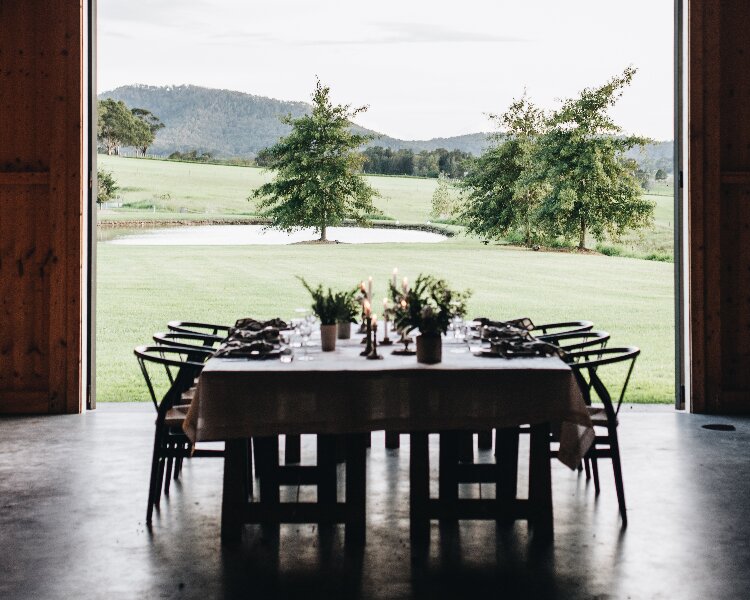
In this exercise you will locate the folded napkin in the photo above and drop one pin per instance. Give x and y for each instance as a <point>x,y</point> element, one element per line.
<point>242,349</point>
<point>254,325</point>
<point>504,332</point>
<point>522,323</point>
<point>267,334</point>
<point>510,348</point>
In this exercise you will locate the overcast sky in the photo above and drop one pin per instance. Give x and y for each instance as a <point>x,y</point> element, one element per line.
<point>426,68</point>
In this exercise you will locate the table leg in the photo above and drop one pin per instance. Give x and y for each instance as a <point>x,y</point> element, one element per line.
<point>292,448</point>
<point>419,488</point>
<point>540,483</point>
<point>484,439</point>
<point>392,440</point>
<point>448,468</point>
<point>327,468</point>
<point>506,453</point>
<point>356,452</point>
<point>234,497</point>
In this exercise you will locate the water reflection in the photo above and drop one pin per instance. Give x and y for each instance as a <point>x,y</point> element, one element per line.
<point>241,235</point>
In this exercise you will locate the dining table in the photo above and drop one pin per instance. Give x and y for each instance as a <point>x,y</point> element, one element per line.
<point>342,393</point>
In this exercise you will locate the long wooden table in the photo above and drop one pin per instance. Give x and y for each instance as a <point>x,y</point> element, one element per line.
<point>342,393</point>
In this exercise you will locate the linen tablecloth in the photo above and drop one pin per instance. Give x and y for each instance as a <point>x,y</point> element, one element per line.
<point>342,392</point>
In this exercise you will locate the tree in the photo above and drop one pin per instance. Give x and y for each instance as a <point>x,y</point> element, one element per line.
<point>501,194</point>
<point>443,200</point>
<point>145,129</point>
<point>115,127</point>
<point>106,186</point>
<point>592,187</point>
<point>317,181</point>
<point>661,175</point>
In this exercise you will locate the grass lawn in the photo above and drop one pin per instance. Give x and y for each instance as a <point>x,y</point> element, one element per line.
<point>141,288</point>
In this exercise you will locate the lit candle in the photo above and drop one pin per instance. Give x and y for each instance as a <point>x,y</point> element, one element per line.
<point>374,322</point>
<point>366,305</point>
<point>403,304</point>
<point>385,305</point>
<point>362,287</point>
<point>395,276</point>
<point>369,288</point>
<point>405,285</point>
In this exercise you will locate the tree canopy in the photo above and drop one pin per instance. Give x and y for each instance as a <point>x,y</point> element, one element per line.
<point>317,181</point>
<point>500,194</point>
<point>593,188</point>
<point>119,126</point>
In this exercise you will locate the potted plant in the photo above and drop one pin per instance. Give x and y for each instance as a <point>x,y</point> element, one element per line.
<point>429,306</point>
<point>326,308</point>
<point>347,310</point>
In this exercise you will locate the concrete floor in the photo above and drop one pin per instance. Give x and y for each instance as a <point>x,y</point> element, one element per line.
<point>73,498</point>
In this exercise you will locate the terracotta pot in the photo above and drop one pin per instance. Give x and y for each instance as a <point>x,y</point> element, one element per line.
<point>429,349</point>
<point>328,337</point>
<point>344,330</point>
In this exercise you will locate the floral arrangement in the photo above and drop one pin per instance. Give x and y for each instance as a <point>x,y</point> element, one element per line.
<point>429,305</point>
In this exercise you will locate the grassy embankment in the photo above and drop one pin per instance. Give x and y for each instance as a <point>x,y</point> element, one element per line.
<point>140,288</point>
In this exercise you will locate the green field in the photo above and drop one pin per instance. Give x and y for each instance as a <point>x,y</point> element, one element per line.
<point>141,288</point>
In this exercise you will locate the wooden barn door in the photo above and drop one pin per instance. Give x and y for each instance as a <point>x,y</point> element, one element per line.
<point>40,206</point>
<point>719,204</point>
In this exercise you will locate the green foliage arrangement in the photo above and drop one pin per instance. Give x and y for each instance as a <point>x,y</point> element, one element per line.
<point>332,307</point>
<point>429,305</point>
<point>317,182</point>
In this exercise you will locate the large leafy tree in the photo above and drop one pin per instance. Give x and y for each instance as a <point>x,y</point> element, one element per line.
<point>317,181</point>
<point>501,195</point>
<point>115,127</point>
<point>593,188</point>
<point>145,129</point>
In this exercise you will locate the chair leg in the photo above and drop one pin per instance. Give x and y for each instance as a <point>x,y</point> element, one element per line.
<point>617,468</point>
<point>292,448</point>
<point>587,466</point>
<point>168,474</point>
<point>392,440</point>
<point>484,440</point>
<point>595,469</point>
<point>250,478</point>
<point>153,485</point>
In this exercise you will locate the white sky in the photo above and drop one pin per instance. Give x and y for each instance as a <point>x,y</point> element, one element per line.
<point>426,68</point>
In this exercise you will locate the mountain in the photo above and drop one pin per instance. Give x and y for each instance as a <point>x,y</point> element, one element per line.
<point>227,123</point>
<point>230,124</point>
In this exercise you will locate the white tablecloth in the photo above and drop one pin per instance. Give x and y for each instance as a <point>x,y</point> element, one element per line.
<point>342,392</point>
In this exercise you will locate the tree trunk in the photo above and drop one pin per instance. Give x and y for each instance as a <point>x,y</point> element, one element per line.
<point>323,237</point>
<point>527,232</point>
<point>582,235</point>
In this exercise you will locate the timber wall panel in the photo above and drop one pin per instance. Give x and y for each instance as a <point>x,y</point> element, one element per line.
<point>40,205</point>
<point>719,205</point>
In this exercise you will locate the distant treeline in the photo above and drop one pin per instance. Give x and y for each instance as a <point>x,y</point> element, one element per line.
<point>384,161</point>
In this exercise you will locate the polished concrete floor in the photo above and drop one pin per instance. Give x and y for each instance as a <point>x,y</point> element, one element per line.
<point>73,500</point>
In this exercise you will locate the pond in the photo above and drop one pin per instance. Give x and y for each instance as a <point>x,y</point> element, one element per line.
<point>243,235</point>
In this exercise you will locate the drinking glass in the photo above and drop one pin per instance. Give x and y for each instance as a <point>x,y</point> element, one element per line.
<point>305,329</point>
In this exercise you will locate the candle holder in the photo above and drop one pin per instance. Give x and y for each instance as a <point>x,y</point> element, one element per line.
<point>362,326</point>
<point>405,340</point>
<point>386,341</point>
<point>374,353</point>
<point>367,340</point>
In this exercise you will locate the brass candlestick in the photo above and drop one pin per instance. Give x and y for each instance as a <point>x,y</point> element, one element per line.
<point>374,354</point>
<point>386,341</point>
<point>405,340</point>
<point>368,339</point>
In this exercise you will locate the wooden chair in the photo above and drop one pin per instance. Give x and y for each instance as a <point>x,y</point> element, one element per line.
<point>196,327</point>
<point>171,445</point>
<point>587,366</point>
<point>542,332</point>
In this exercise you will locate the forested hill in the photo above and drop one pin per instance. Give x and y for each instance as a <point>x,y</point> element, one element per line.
<point>230,124</point>
<point>227,123</point>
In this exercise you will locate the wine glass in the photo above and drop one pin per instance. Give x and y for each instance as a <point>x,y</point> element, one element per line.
<point>305,330</point>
